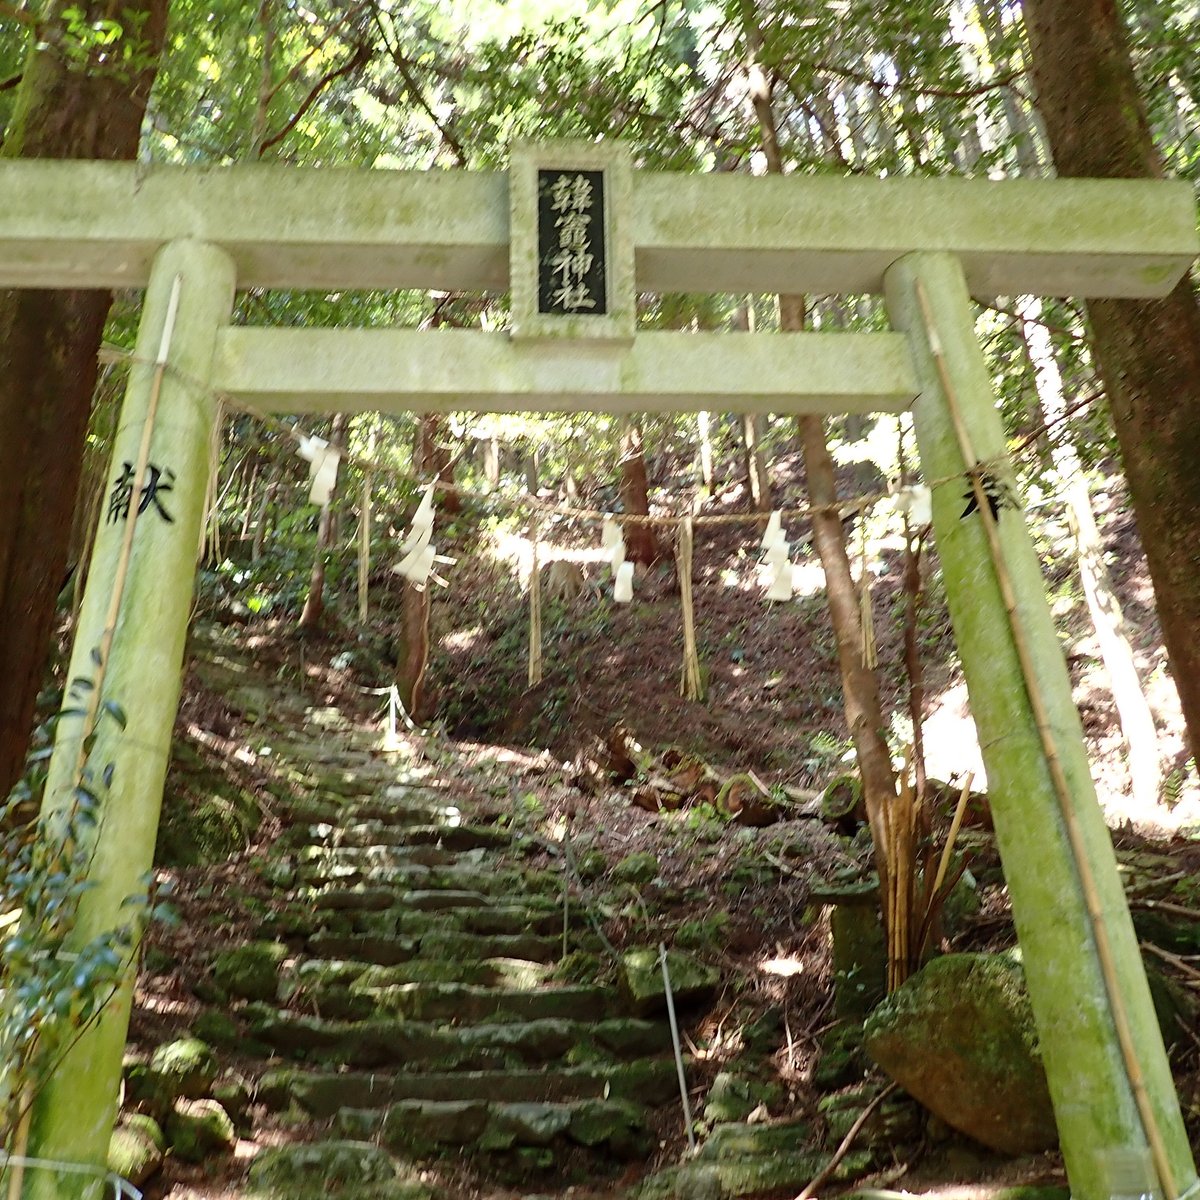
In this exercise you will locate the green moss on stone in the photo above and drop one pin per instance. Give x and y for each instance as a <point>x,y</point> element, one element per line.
<point>187,1065</point>
<point>197,1129</point>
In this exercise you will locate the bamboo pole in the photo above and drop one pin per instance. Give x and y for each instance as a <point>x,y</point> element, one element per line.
<point>691,683</point>
<point>535,605</point>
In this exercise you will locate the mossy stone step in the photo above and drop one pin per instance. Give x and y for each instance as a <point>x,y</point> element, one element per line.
<point>381,1041</point>
<point>312,980</point>
<point>466,1002</point>
<point>386,950</point>
<point>424,1127</point>
<point>423,833</point>
<point>360,947</point>
<point>371,857</point>
<point>426,999</point>
<point>507,920</point>
<point>376,898</point>
<point>337,866</point>
<point>648,1081</point>
<point>418,809</point>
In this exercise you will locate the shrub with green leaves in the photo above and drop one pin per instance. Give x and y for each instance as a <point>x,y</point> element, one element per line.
<point>51,986</point>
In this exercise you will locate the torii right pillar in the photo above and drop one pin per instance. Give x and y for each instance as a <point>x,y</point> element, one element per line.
<point>1110,1082</point>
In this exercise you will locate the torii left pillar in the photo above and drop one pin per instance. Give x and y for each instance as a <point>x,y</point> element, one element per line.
<point>74,1112</point>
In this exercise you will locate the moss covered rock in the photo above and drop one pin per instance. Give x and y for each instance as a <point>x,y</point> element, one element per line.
<point>187,1065</point>
<point>642,982</point>
<point>135,1150</point>
<point>250,972</point>
<point>960,1037</point>
<point>205,816</point>
<point>636,868</point>
<point>197,1129</point>
<point>335,1168</point>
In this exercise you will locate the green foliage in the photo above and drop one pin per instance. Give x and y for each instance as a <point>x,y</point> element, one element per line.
<point>53,981</point>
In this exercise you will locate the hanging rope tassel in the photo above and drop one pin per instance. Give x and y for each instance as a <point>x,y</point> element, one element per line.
<point>691,685</point>
<point>870,655</point>
<point>535,608</point>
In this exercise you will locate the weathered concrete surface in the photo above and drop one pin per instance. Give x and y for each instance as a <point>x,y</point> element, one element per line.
<point>99,225</point>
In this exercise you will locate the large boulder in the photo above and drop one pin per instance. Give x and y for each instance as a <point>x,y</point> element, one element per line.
<point>960,1037</point>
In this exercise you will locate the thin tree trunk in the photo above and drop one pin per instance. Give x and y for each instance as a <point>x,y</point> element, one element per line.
<point>641,545</point>
<point>1133,710</point>
<point>754,428</point>
<point>1148,351</point>
<point>69,105</point>
<point>314,605</point>
<point>704,432</point>
<point>263,517</point>
<point>860,686</point>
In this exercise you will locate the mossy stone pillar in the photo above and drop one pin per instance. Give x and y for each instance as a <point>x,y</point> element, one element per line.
<point>74,1113</point>
<point>1094,1103</point>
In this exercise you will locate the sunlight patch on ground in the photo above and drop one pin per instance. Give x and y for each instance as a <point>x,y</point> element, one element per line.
<point>462,639</point>
<point>785,967</point>
<point>517,551</point>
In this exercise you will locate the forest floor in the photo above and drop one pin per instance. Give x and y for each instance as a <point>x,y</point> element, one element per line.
<point>738,894</point>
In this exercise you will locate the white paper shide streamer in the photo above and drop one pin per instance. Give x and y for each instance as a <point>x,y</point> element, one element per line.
<point>417,550</point>
<point>323,462</point>
<point>777,565</point>
<point>612,540</point>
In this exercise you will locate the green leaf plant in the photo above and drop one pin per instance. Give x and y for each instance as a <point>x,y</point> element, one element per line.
<point>52,982</point>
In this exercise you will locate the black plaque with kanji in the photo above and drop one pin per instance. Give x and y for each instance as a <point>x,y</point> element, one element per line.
<point>572,251</point>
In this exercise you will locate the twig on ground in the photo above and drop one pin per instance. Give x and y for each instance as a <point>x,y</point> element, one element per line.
<point>840,1153</point>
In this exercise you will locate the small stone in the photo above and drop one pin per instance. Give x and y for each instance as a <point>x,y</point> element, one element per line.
<point>187,1065</point>
<point>148,1090</point>
<point>197,1129</point>
<point>217,1028</point>
<point>641,867</point>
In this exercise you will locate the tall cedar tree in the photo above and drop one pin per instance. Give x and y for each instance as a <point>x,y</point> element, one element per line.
<point>1148,351</point>
<point>81,96</point>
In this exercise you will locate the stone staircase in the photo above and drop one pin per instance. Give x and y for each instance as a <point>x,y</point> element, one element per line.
<point>418,993</point>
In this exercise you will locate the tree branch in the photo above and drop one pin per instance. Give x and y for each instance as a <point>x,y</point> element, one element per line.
<point>414,90</point>
<point>360,57</point>
<point>8,84</point>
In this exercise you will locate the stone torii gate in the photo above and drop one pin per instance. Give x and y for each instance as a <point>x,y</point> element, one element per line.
<point>576,234</point>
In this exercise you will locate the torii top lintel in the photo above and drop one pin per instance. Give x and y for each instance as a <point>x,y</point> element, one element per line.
<point>99,224</point>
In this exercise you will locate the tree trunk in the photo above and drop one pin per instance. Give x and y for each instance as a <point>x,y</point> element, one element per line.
<point>412,650</point>
<point>860,686</point>
<point>434,460</point>
<point>641,546</point>
<point>1133,710</point>
<point>314,605</point>
<point>1148,351</point>
<point>70,105</point>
